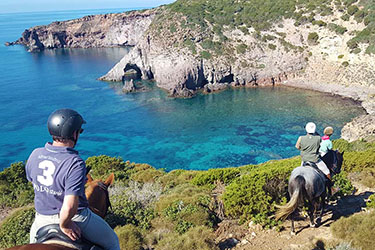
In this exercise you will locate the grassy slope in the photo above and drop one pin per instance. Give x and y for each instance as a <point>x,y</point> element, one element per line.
<point>166,209</point>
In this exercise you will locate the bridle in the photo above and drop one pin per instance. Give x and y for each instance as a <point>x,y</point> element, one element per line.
<point>334,168</point>
<point>104,187</point>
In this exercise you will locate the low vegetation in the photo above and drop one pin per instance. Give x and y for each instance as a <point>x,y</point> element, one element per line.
<point>153,209</point>
<point>15,189</point>
<point>357,229</point>
<point>15,229</point>
<point>203,26</point>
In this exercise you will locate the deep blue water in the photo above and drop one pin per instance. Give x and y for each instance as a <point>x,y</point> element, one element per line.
<point>230,128</point>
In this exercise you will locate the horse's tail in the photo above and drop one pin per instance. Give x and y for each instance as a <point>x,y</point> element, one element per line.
<point>295,200</point>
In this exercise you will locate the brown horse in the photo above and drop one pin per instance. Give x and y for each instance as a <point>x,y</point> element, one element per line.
<point>98,198</point>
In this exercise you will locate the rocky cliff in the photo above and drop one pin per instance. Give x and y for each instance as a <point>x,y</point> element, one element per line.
<point>109,30</point>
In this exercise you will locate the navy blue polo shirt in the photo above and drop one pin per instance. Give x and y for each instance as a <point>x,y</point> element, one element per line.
<point>54,173</point>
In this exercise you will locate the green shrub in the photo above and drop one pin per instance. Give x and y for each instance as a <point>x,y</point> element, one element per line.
<point>340,56</point>
<point>129,237</point>
<point>352,43</point>
<point>349,2</point>
<point>129,212</point>
<point>358,161</point>
<point>357,229</point>
<point>341,180</point>
<point>209,177</point>
<point>197,238</point>
<point>256,193</point>
<point>186,206</point>
<point>370,49</point>
<point>320,23</point>
<point>172,28</point>
<point>102,165</point>
<point>272,46</point>
<point>186,216</point>
<point>359,145</point>
<point>352,10</point>
<point>337,28</point>
<point>15,189</point>
<point>369,18</point>
<point>148,175</point>
<point>359,16</point>
<point>206,55</point>
<point>177,177</point>
<point>15,229</point>
<point>356,51</point>
<point>241,49</point>
<point>345,64</point>
<point>345,17</point>
<point>313,38</point>
<point>371,201</point>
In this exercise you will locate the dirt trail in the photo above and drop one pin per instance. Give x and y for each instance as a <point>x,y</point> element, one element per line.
<point>235,237</point>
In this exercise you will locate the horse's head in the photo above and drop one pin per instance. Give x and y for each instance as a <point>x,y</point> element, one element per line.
<point>340,160</point>
<point>97,194</point>
<point>334,159</point>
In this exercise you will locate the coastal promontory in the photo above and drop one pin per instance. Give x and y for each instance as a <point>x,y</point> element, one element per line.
<point>197,45</point>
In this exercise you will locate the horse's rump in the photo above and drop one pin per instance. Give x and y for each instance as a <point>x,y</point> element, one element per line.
<point>314,180</point>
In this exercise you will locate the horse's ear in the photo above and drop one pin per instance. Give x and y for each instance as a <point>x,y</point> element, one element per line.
<point>89,178</point>
<point>110,180</point>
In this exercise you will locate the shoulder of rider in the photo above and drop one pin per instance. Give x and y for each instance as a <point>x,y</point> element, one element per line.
<point>298,143</point>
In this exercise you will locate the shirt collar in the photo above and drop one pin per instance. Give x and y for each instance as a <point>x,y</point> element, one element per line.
<point>54,149</point>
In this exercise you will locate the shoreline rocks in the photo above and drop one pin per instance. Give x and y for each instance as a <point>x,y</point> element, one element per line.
<point>362,127</point>
<point>94,31</point>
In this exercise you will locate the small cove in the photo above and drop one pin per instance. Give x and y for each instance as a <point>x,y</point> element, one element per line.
<point>230,128</point>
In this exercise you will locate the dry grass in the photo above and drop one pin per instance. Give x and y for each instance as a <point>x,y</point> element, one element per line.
<point>358,229</point>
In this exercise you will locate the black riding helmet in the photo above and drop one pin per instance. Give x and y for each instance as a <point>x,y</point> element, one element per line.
<point>63,122</point>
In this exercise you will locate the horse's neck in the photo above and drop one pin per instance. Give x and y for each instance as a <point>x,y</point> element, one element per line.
<point>97,198</point>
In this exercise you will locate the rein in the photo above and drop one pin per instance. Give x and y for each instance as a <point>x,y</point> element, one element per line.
<point>105,188</point>
<point>102,186</point>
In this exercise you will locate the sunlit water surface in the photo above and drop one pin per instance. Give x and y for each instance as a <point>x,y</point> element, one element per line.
<point>230,128</point>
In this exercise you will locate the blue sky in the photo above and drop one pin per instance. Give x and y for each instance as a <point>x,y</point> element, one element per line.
<point>11,6</point>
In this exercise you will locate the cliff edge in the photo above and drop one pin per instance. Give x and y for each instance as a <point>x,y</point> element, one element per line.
<point>94,31</point>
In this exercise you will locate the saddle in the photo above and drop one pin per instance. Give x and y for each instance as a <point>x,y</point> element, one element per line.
<point>52,234</point>
<point>315,167</point>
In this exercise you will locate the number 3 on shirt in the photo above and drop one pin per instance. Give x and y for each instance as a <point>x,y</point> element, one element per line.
<point>48,170</point>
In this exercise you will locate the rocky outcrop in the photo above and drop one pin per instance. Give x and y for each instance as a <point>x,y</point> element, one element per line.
<point>129,86</point>
<point>182,74</point>
<point>109,30</point>
<point>361,128</point>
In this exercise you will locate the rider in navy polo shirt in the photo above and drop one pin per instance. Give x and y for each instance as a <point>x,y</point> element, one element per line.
<point>58,175</point>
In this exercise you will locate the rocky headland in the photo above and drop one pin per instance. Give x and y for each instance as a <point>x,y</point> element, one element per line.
<point>189,46</point>
<point>94,31</point>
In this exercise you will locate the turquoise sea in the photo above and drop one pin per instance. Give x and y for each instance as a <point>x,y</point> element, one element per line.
<point>230,128</point>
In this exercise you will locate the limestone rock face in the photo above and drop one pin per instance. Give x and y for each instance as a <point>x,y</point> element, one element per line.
<point>107,30</point>
<point>362,127</point>
<point>182,73</point>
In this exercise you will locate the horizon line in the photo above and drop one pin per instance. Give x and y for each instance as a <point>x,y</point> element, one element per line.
<point>115,8</point>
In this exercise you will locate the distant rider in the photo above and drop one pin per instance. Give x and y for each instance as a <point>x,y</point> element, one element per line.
<point>326,143</point>
<point>309,145</point>
<point>58,175</point>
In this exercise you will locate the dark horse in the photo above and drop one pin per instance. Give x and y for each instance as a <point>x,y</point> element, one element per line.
<point>98,198</point>
<point>307,183</point>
